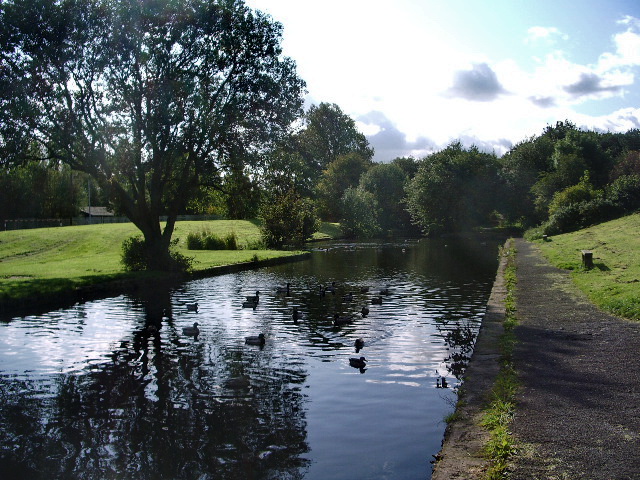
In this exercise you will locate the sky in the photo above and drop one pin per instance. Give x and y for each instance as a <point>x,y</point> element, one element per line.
<point>416,75</point>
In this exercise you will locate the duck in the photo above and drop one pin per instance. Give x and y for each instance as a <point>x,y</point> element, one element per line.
<point>254,298</point>
<point>332,288</point>
<point>286,289</point>
<point>192,307</point>
<point>256,340</point>
<point>364,289</point>
<point>192,331</point>
<point>295,315</point>
<point>358,362</point>
<point>348,297</point>
<point>359,344</point>
<point>364,311</point>
<point>376,301</point>
<point>384,291</point>
<point>342,320</point>
<point>249,304</point>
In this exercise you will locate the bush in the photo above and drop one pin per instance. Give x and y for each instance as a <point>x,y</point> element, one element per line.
<point>625,192</point>
<point>135,256</point>
<point>581,192</point>
<point>359,214</point>
<point>209,241</point>
<point>288,219</point>
<point>194,241</point>
<point>581,215</point>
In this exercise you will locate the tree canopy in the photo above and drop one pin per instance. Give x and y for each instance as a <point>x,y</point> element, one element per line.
<point>454,189</point>
<point>153,99</point>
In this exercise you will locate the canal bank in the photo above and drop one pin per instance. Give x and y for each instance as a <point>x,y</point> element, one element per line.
<point>578,409</point>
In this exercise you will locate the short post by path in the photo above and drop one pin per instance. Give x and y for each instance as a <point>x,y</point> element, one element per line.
<point>587,259</point>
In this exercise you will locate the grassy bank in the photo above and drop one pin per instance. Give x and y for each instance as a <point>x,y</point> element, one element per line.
<point>614,282</point>
<point>49,261</point>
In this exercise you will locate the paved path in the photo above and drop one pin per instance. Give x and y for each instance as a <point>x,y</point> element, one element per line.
<point>578,415</point>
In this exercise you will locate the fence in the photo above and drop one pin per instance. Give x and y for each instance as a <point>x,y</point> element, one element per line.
<point>27,223</point>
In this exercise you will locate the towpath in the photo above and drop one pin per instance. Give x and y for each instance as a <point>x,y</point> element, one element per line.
<point>578,411</point>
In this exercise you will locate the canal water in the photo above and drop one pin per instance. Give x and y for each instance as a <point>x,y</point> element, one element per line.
<point>114,388</point>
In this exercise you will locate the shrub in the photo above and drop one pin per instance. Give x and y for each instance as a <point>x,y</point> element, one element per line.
<point>212,242</point>
<point>581,215</point>
<point>288,219</point>
<point>625,192</point>
<point>209,241</point>
<point>359,213</point>
<point>194,241</point>
<point>134,254</point>
<point>581,192</point>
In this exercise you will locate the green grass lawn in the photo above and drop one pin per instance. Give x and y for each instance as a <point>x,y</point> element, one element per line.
<point>46,261</point>
<point>614,282</point>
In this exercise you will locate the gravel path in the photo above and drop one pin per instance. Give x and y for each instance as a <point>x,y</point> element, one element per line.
<point>578,413</point>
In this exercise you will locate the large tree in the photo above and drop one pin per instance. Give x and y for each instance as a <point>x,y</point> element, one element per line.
<point>386,182</point>
<point>152,98</point>
<point>455,189</point>
<point>329,133</point>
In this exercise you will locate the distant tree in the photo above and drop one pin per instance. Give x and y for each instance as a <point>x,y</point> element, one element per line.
<point>454,190</point>
<point>574,154</point>
<point>409,165</point>
<point>628,164</point>
<point>386,182</point>
<point>39,190</point>
<point>152,99</point>
<point>342,173</point>
<point>329,133</point>
<point>359,213</point>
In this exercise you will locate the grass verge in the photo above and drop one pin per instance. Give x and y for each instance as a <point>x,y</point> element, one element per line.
<point>46,262</point>
<point>498,414</point>
<point>614,282</point>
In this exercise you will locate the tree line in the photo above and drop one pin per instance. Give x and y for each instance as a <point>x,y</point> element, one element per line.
<point>190,107</point>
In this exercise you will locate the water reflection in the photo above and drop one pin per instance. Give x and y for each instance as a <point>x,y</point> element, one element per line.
<point>115,389</point>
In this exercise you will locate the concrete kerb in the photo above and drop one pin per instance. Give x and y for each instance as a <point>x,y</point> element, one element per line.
<point>461,456</point>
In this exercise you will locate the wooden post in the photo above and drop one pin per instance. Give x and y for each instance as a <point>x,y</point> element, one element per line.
<point>587,259</point>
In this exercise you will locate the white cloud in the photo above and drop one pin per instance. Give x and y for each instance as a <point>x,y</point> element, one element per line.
<point>547,35</point>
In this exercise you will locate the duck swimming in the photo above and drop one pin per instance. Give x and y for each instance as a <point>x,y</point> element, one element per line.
<point>256,340</point>
<point>342,320</point>
<point>365,311</point>
<point>358,362</point>
<point>376,301</point>
<point>192,331</point>
<point>359,344</point>
<point>254,298</point>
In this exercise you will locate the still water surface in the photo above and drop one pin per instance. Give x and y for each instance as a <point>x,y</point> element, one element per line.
<point>114,389</point>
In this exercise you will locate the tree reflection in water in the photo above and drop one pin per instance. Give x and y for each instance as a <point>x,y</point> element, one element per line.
<point>153,414</point>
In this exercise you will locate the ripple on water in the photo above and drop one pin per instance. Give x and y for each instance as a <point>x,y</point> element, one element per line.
<point>120,368</point>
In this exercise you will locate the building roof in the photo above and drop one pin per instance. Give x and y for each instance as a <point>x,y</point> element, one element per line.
<point>97,211</point>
